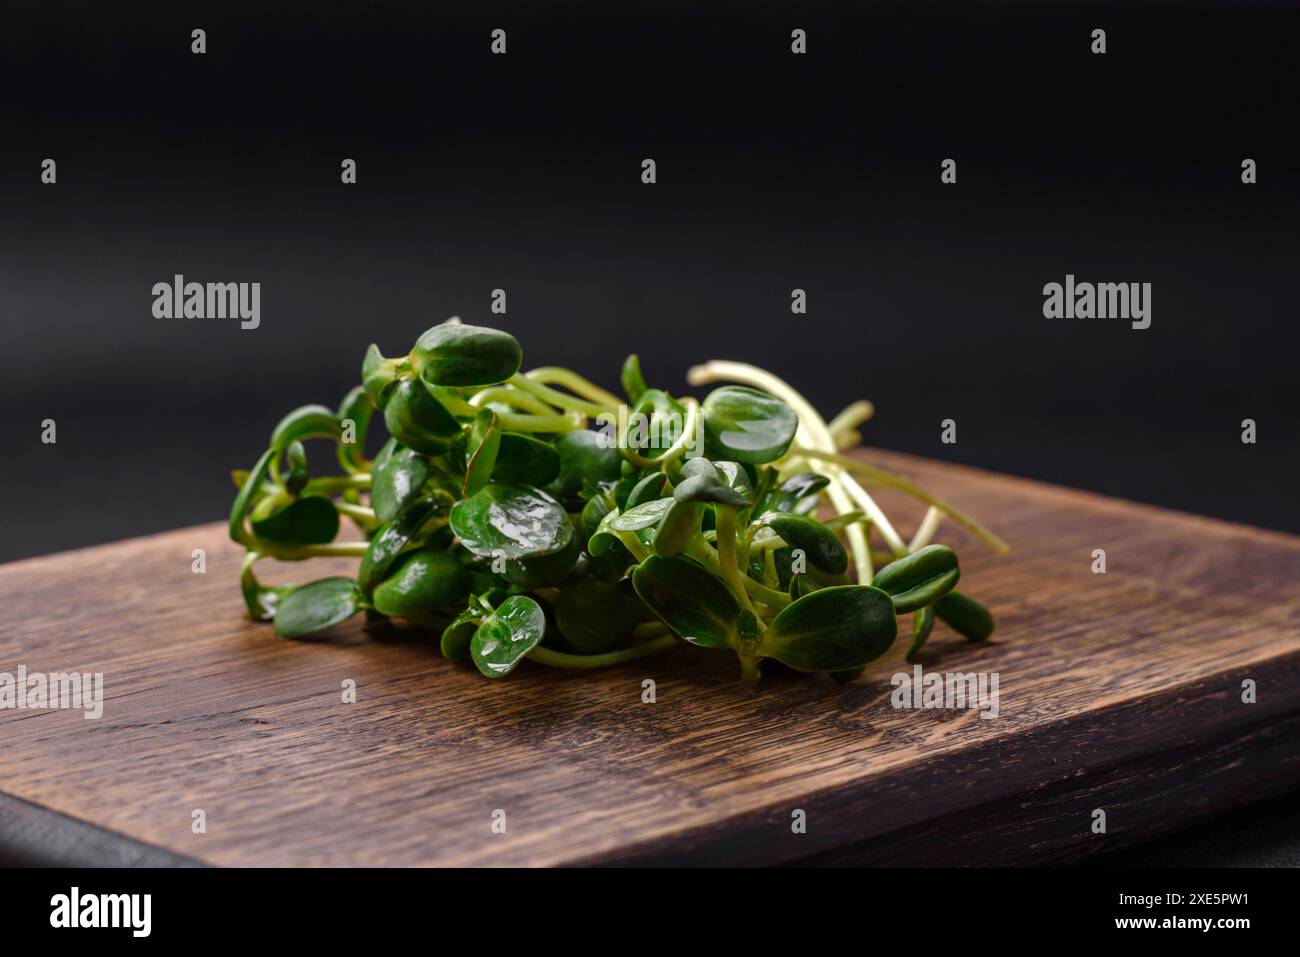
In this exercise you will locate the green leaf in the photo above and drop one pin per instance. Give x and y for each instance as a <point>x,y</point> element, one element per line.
<point>691,601</point>
<point>542,571</point>
<point>797,494</point>
<point>737,478</point>
<point>832,629</point>
<point>398,476</point>
<point>584,458</point>
<point>747,425</point>
<point>922,625</point>
<point>525,460</point>
<point>418,420</point>
<point>484,446</point>
<point>305,422</point>
<point>511,521</point>
<point>606,536</point>
<point>455,354</point>
<point>595,616</point>
<point>632,380</point>
<point>649,487</point>
<point>422,583</point>
<point>456,637</point>
<point>704,488</point>
<point>296,458</point>
<point>703,481</point>
<point>390,540</point>
<point>509,633</point>
<point>317,606</point>
<point>920,578</point>
<point>819,545</point>
<point>597,507</point>
<point>680,525</point>
<point>657,420</point>
<point>378,375</point>
<point>965,616</point>
<point>306,521</point>
<point>643,515</point>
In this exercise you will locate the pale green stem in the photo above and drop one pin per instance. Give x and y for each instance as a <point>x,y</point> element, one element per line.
<point>514,397</point>
<point>560,659</point>
<point>925,531</point>
<point>699,550</point>
<point>556,398</point>
<point>844,427</point>
<point>523,422</point>
<point>292,553</point>
<point>727,557</point>
<point>574,382</point>
<point>675,450</point>
<point>889,480</point>
<point>337,483</point>
<point>359,513</point>
<point>811,422</point>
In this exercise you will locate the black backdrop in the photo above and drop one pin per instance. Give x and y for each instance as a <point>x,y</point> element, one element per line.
<point>775,171</point>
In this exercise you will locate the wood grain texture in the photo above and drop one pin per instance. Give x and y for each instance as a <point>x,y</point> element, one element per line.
<point>1120,691</point>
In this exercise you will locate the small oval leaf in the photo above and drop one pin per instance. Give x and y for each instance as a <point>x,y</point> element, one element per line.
<point>317,606</point>
<point>691,601</point>
<point>643,515</point>
<point>509,633</point>
<point>747,425</point>
<point>312,520</point>
<point>390,540</point>
<point>920,578</point>
<point>818,543</point>
<point>422,583</point>
<point>398,476</point>
<point>418,420</point>
<point>832,629</point>
<point>922,625</point>
<point>511,521</point>
<point>965,616</point>
<point>526,460</point>
<point>595,616</point>
<point>456,354</point>
<point>483,449</point>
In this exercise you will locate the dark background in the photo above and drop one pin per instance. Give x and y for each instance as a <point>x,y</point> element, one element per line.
<point>775,171</point>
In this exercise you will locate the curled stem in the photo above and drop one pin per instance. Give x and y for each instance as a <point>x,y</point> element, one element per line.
<point>674,451</point>
<point>814,426</point>
<point>561,659</point>
<point>547,375</point>
<point>525,422</point>
<point>556,398</point>
<point>889,480</point>
<point>512,397</point>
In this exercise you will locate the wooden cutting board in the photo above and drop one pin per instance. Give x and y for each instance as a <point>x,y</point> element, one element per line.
<point>1119,691</point>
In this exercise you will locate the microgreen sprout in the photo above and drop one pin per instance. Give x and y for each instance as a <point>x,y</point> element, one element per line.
<point>536,515</point>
